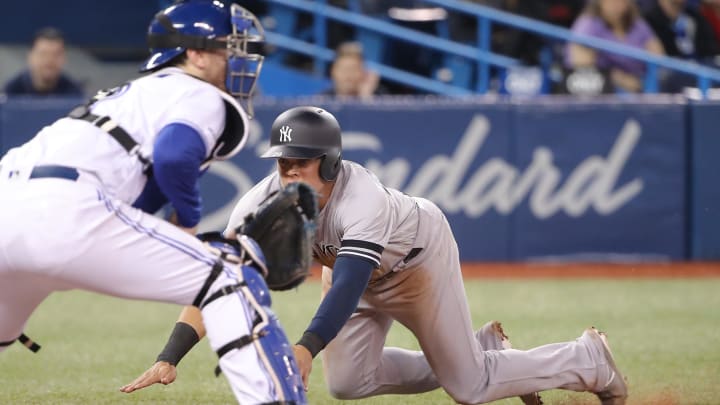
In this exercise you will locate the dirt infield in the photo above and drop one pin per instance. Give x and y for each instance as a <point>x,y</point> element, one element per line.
<point>591,270</point>
<point>585,270</point>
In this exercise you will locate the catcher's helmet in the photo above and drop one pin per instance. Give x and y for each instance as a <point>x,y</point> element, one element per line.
<point>201,25</point>
<point>305,133</point>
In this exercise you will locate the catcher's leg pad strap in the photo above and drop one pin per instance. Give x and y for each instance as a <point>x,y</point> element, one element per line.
<point>214,273</point>
<point>243,252</point>
<point>235,344</point>
<point>25,341</point>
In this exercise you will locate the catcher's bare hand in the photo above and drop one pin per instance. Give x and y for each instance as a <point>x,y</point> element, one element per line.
<point>161,372</point>
<point>304,361</point>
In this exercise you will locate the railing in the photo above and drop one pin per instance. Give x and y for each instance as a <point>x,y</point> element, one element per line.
<point>480,54</point>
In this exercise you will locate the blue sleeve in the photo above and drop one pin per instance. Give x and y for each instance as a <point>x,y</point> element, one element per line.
<point>178,153</point>
<point>151,199</point>
<point>350,278</point>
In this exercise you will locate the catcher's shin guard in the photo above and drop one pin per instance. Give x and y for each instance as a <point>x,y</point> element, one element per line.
<point>266,336</point>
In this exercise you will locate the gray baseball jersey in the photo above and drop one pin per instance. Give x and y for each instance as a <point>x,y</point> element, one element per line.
<point>418,283</point>
<point>360,209</point>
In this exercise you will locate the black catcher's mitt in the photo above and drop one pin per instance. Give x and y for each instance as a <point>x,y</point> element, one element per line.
<point>284,227</point>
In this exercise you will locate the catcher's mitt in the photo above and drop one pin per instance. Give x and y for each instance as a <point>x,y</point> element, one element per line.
<point>284,228</point>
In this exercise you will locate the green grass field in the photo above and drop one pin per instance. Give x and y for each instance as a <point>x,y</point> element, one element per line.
<point>665,335</point>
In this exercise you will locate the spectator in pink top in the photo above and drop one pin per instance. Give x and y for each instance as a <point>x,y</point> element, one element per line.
<point>618,21</point>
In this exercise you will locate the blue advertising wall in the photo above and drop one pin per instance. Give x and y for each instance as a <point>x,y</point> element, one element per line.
<point>543,179</point>
<point>618,182</point>
<point>705,190</point>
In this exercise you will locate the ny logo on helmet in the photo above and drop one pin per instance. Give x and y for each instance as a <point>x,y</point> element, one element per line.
<point>285,133</point>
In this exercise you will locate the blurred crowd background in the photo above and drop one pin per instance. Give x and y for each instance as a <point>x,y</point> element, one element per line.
<point>78,46</point>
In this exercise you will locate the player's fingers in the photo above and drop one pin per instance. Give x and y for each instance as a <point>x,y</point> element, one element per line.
<point>147,378</point>
<point>305,381</point>
<point>306,377</point>
<point>128,388</point>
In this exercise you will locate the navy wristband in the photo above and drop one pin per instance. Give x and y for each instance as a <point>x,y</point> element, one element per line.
<point>312,342</point>
<point>182,339</point>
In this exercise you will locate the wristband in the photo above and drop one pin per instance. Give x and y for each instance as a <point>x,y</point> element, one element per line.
<point>182,339</point>
<point>312,342</point>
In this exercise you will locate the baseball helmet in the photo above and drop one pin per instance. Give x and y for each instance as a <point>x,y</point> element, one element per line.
<point>306,133</point>
<point>203,24</point>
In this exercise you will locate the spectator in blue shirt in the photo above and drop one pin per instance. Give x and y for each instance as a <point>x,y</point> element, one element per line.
<point>44,74</point>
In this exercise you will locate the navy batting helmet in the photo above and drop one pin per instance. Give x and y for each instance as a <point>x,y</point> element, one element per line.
<point>208,25</point>
<point>305,133</point>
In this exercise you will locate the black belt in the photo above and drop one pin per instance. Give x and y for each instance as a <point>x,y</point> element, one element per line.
<point>54,171</point>
<point>387,276</point>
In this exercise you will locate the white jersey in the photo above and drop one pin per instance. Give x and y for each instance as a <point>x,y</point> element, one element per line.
<point>142,108</point>
<point>362,218</point>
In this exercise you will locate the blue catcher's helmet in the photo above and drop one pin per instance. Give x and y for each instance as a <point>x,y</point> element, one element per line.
<point>203,24</point>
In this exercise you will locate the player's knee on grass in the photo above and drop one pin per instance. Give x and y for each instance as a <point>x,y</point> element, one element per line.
<point>344,383</point>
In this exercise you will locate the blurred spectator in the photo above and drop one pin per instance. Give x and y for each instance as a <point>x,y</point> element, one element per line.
<point>711,11</point>
<point>530,49</point>
<point>685,34</point>
<point>505,40</point>
<point>683,31</point>
<point>563,12</point>
<point>350,77</point>
<point>43,75</point>
<point>618,21</point>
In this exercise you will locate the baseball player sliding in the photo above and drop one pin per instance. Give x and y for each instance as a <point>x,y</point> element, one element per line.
<point>389,257</point>
<point>74,200</point>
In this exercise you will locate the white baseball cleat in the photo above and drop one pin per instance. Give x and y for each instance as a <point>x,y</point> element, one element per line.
<point>492,337</point>
<point>615,391</point>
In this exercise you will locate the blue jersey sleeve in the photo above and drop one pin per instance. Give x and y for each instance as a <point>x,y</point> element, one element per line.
<point>178,153</point>
<point>151,199</point>
<point>350,278</point>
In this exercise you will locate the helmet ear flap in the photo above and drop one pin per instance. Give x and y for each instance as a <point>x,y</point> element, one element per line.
<point>330,165</point>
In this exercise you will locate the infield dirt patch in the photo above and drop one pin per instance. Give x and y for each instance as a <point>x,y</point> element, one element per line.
<point>583,270</point>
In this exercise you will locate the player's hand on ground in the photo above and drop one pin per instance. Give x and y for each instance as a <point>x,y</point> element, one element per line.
<point>160,372</point>
<point>304,360</point>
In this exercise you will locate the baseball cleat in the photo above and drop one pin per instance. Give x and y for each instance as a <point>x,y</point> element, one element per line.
<point>492,337</point>
<point>615,391</point>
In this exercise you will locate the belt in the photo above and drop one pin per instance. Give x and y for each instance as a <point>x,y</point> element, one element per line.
<point>387,276</point>
<point>54,171</point>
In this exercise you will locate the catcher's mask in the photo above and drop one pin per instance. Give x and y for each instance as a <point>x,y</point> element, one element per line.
<point>208,25</point>
<point>307,132</point>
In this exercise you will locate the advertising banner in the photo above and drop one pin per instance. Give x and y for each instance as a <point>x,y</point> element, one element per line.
<point>543,179</point>
<point>705,169</point>
<point>560,181</point>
